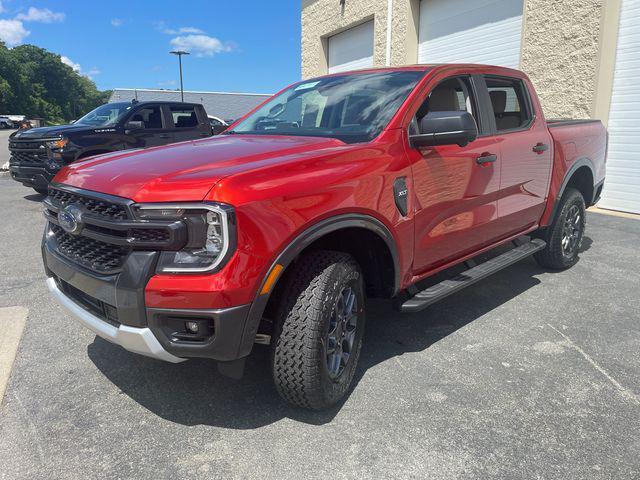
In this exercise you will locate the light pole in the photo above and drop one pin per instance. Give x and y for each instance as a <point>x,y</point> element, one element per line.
<point>179,53</point>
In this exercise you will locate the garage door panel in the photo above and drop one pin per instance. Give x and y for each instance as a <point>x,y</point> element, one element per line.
<point>351,49</point>
<point>487,31</point>
<point>622,185</point>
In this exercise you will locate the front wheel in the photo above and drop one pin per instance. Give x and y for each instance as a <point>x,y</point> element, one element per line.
<point>319,329</point>
<point>564,236</point>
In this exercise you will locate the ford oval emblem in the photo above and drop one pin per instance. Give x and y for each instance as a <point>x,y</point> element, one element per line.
<point>70,219</point>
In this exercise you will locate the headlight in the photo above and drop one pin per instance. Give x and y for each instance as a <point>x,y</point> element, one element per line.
<point>58,144</point>
<point>211,234</point>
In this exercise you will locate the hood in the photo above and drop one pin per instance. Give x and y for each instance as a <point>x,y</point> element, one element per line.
<point>49,132</point>
<point>184,171</point>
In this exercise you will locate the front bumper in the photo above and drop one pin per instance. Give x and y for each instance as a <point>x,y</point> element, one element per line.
<point>34,177</point>
<point>137,340</point>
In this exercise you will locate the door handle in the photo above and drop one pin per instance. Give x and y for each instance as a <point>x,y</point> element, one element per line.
<point>204,134</point>
<point>486,158</point>
<point>540,148</point>
<point>165,136</point>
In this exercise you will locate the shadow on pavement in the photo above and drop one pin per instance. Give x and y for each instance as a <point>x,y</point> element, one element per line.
<point>194,393</point>
<point>34,197</point>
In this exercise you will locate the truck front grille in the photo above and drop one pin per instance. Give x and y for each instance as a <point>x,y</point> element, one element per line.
<point>100,309</point>
<point>89,253</point>
<point>36,156</point>
<point>106,209</point>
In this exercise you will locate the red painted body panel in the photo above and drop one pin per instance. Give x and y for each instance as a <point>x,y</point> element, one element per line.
<point>280,186</point>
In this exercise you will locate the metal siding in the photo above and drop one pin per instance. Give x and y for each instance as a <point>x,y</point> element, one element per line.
<point>351,49</point>
<point>622,185</point>
<point>228,106</point>
<point>459,31</point>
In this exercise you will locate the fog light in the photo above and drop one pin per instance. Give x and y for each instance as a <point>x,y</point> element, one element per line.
<point>191,327</point>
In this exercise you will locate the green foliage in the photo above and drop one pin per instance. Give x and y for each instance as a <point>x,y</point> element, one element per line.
<point>34,82</point>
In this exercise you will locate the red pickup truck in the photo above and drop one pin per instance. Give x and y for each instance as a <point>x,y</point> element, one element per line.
<point>338,188</point>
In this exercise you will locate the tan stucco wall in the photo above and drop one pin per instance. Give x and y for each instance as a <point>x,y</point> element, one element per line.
<point>323,18</point>
<point>560,51</point>
<point>562,44</point>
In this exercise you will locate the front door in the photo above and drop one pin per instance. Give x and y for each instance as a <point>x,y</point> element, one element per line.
<point>155,131</point>
<point>455,187</point>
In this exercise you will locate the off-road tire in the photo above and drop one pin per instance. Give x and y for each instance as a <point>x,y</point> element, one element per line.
<point>552,255</point>
<point>298,349</point>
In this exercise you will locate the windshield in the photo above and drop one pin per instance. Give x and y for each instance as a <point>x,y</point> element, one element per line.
<point>353,108</point>
<point>105,115</point>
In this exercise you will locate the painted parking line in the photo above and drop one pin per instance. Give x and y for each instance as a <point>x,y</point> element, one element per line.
<point>12,320</point>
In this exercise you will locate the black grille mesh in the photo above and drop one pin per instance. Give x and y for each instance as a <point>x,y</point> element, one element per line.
<point>98,207</point>
<point>151,235</point>
<point>99,256</point>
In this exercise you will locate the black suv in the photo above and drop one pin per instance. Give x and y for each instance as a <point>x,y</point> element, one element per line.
<point>38,153</point>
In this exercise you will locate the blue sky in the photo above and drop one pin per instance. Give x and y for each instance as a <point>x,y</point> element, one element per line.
<point>236,45</point>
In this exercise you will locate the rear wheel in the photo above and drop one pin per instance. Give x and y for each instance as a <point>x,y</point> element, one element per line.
<point>318,335</point>
<point>564,236</point>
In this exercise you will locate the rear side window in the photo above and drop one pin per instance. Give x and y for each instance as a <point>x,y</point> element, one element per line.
<point>184,116</point>
<point>510,103</point>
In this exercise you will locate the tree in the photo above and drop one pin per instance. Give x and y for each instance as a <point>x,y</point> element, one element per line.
<point>35,82</point>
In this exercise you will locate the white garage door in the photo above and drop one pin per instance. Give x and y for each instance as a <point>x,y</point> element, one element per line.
<point>478,31</point>
<point>622,186</point>
<point>351,49</point>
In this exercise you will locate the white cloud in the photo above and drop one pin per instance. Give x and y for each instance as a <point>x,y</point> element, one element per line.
<point>12,32</point>
<point>41,15</point>
<point>200,45</point>
<point>117,22</point>
<point>92,73</point>
<point>67,61</point>
<point>162,26</point>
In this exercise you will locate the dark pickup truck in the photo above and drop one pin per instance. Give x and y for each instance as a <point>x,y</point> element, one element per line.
<point>39,153</point>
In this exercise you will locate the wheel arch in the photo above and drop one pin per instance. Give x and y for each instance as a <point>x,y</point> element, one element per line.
<point>580,176</point>
<point>326,232</point>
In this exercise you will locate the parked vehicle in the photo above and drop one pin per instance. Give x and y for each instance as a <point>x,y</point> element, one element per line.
<point>353,185</point>
<point>38,154</point>
<point>5,122</point>
<point>218,125</point>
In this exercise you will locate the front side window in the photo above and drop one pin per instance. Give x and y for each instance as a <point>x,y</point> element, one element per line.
<point>184,117</point>
<point>352,108</point>
<point>105,115</point>
<point>151,117</point>
<point>509,103</point>
<point>451,95</point>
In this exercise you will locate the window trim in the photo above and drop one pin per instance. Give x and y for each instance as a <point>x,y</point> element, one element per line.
<point>527,104</point>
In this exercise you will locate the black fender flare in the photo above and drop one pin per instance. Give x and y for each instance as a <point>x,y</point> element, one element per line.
<point>581,162</point>
<point>302,241</point>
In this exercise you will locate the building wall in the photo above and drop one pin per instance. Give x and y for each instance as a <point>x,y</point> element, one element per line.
<point>323,18</point>
<point>560,53</point>
<point>565,45</point>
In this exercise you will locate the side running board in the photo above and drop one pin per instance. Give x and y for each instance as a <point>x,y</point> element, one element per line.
<point>440,290</point>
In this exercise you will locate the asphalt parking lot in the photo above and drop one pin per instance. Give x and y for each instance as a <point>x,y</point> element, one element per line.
<point>529,374</point>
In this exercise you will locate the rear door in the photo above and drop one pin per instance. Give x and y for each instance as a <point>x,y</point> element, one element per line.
<point>455,187</point>
<point>525,150</point>
<point>189,122</point>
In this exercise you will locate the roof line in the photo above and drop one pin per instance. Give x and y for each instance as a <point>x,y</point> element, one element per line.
<point>189,91</point>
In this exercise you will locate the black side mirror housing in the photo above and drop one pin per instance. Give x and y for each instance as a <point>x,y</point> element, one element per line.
<point>133,125</point>
<point>445,128</point>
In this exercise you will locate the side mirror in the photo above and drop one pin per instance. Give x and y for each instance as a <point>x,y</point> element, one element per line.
<point>133,125</point>
<point>445,128</point>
